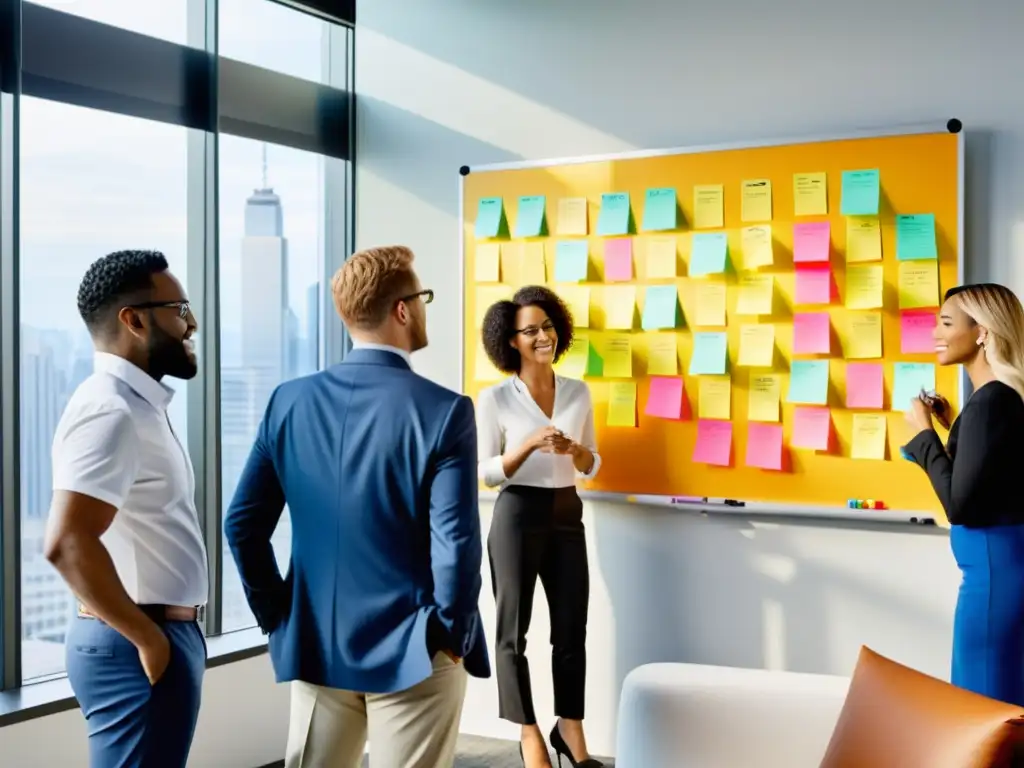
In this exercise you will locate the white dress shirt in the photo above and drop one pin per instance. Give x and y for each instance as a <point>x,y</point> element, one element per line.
<point>115,443</point>
<point>384,348</point>
<point>507,415</point>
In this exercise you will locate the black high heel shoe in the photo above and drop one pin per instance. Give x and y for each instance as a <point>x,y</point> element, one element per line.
<point>561,748</point>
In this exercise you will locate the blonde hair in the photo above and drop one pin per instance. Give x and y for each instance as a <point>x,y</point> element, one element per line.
<point>369,283</point>
<point>997,309</point>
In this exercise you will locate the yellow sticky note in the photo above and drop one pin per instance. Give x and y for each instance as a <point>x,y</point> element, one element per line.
<point>619,306</point>
<point>918,284</point>
<point>864,286</point>
<point>756,200</point>
<point>710,304</point>
<point>763,398</point>
<point>663,355</point>
<point>486,295</point>
<point>756,246</point>
<point>708,206</point>
<point>862,337</point>
<point>485,370</point>
<point>810,194</point>
<point>572,216</point>
<point>714,396</point>
<point>533,270</point>
<point>863,239</point>
<point>755,295</point>
<point>577,298</point>
<point>622,404</point>
<point>757,345</point>
<point>661,257</point>
<point>579,360</point>
<point>488,263</point>
<point>868,436</point>
<point>618,357</point>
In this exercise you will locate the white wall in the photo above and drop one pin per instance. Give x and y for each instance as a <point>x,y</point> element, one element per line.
<point>243,723</point>
<point>458,82</point>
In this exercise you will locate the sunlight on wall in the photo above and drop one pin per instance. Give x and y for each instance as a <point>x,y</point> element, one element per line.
<point>467,104</point>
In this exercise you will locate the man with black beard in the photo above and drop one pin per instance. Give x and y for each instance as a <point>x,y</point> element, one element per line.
<point>123,530</point>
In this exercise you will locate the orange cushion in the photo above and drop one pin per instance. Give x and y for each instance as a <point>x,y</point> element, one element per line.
<point>897,717</point>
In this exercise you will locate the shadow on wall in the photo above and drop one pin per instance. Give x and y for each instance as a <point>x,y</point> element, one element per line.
<point>741,592</point>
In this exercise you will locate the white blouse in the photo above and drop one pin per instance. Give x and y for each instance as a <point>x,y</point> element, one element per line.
<point>507,415</point>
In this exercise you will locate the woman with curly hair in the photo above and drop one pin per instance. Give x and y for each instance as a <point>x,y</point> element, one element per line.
<point>536,436</point>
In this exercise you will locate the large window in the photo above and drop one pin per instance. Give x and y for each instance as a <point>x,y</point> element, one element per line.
<point>271,254</point>
<point>91,183</point>
<point>131,124</point>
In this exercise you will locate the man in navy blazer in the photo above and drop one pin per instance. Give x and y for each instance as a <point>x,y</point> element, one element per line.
<point>376,624</point>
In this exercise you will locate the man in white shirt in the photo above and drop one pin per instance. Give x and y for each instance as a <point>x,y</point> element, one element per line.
<point>123,530</point>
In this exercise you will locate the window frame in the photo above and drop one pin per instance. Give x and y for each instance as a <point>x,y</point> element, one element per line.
<point>65,58</point>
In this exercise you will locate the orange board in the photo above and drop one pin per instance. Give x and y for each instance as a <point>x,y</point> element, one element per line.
<point>918,174</point>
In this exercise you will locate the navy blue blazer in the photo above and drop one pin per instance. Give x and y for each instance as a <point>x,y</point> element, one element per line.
<point>378,467</point>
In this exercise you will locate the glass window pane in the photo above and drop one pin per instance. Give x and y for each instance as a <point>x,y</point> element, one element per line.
<point>272,36</point>
<point>271,252</point>
<point>163,19</point>
<point>91,183</point>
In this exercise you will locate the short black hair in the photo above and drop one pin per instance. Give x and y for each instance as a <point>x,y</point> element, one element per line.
<point>500,325</point>
<point>113,281</point>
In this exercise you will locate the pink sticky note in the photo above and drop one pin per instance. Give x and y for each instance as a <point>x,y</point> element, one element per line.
<point>764,445</point>
<point>811,333</point>
<point>813,285</point>
<point>714,442</point>
<point>665,399</point>
<point>618,259</point>
<point>864,385</point>
<point>811,428</point>
<point>916,332</point>
<point>811,242</point>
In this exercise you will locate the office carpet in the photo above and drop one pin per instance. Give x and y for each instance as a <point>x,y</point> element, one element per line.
<point>477,752</point>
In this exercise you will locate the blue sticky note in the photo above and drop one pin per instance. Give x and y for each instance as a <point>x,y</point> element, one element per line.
<point>530,216</point>
<point>915,237</point>
<point>708,252</point>
<point>860,193</point>
<point>660,304</point>
<point>488,217</point>
<point>710,355</point>
<point>571,257</point>
<point>614,216</point>
<point>808,382</point>
<point>908,379</point>
<point>660,209</point>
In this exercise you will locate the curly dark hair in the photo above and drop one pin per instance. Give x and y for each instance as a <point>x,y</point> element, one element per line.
<point>500,325</point>
<point>113,281</point>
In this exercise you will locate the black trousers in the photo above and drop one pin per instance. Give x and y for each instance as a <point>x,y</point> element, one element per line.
<point>538,532</point>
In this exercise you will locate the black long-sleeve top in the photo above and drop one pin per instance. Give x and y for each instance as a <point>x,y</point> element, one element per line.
<point>975,475</point>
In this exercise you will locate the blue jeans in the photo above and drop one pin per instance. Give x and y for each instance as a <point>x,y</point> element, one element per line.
<point>132,724</point>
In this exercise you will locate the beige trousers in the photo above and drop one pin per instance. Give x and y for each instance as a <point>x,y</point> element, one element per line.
<point>414,728</point>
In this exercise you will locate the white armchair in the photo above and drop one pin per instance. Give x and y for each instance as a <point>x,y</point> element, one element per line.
<point>697,716</point>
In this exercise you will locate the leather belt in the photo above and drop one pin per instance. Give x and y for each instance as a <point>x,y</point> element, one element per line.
<point>157,612</point>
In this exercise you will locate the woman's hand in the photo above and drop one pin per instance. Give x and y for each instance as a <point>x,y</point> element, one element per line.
<point>919,415</point>
<point>941,410</point>
<point>544,439</point>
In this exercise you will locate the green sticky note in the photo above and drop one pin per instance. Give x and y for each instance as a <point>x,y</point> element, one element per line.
<point>660,305</point>
<point>708,253</point>
<point>915,237</point>
<point>488,217</point>
<point>808,382</point>
<point>710,354</point>
<point>581,360</point>
<point>614,216</point>
<point>530,219</point>
<point>571,257</point>
<point>660,209</point>
<point>908,379</point>
<point>860,193</point>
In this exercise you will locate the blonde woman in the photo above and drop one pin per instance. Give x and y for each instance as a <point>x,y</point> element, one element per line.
<point>975,476</point>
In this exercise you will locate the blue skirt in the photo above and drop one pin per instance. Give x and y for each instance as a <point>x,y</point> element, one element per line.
<point>988,628</point>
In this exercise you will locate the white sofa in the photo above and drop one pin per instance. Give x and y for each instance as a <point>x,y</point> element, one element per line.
<point>697,716</point>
